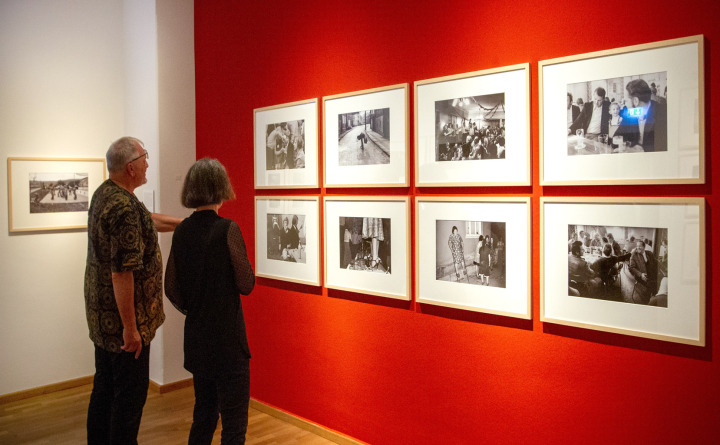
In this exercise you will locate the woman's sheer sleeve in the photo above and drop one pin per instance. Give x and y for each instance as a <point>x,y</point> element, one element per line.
<point>244,275</point>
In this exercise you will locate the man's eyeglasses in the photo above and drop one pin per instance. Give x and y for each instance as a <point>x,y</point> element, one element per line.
<point>144,154</point>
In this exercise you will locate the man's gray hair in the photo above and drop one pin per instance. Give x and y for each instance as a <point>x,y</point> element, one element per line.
<point>121,152</point>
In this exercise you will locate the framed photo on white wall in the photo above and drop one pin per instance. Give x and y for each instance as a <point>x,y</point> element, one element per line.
<point>51,193</point>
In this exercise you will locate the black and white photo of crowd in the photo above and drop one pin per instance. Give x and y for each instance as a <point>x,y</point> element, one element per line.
<point>365,244</point>
<point>470,128</point>
<point>618,115</point>
<point>285,145</point>
<point>58,192</point>
<point>472,252</point>
<point>364,137</point>
<point>622,264</point>
<point>286,240</point>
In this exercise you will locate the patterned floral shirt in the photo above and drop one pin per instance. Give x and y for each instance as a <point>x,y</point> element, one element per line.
<point>121,237</point>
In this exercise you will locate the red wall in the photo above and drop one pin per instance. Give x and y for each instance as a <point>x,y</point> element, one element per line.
<point>389,372</point>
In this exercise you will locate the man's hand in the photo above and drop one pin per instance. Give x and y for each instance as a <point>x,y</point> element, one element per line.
<point>132,342</point>
<point>124,289</point>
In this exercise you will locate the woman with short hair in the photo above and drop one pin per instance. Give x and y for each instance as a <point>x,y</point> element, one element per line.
<point>207,270</point>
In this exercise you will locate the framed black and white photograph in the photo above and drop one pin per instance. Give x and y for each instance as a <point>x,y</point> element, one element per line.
<point>51,193</point>
<point>287,232</point>
<point>286,145</point>
<point>480,118</point>
<point>367,245</point>
<point>631,115</point>
<point>474,254</point>
<point>634,266</point>
<point>366,138</point>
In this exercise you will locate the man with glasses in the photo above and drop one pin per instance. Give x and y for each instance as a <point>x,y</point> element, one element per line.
<point>123,294</point>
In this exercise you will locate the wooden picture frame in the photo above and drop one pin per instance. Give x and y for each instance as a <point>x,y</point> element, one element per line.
<point>366,138</point>
<point>464,117</point>
<point>649,129</point>
<point>646,278</point>
<point>286,145</point>
<point>496,268</point>
<point>293,254</point>
<point>367,245</point>
<point>48,194</point>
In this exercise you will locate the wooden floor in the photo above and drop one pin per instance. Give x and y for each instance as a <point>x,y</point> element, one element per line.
<point>59,418</point>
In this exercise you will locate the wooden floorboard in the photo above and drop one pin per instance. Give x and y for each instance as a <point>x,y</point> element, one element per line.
<point>59,418</point>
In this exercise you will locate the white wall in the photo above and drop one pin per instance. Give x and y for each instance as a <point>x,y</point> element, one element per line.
<point>176,57</point>
<point>76,75</point>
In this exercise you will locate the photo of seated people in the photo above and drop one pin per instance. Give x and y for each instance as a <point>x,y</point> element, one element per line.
<point>285,145</point>
<point>623,264</point>
<point>365,244</point>
<point>471,252</point>
<point>286,237</point>
<point>470,128</point>
<point>619,115</point>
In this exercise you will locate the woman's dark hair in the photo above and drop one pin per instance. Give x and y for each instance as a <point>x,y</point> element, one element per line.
<point>576,248</point>
<point>640,89</point>
<point>206,183</point>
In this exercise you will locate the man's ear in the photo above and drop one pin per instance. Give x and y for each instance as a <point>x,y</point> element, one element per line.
<point>130,169</point>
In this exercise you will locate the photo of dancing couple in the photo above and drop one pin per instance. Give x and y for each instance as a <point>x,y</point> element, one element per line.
<point>285,145</point>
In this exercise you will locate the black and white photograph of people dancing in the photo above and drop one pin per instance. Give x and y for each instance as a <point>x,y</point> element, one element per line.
<point>285,147</point>
<point>470,128</point>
